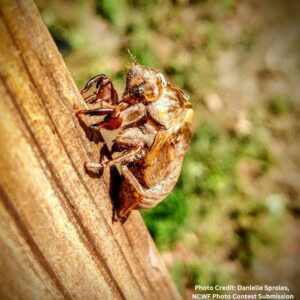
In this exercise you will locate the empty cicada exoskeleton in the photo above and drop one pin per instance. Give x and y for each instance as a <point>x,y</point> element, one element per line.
<point>154,118</point>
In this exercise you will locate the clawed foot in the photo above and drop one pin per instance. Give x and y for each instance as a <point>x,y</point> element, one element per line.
<point>91,165</point>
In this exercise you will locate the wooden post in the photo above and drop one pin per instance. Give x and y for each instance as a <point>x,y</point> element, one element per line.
<point>57,239</point>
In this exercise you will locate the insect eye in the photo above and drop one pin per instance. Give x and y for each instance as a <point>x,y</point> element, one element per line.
<point>138,90</point>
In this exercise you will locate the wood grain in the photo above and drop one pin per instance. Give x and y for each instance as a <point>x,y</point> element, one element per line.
<point>57,238</point>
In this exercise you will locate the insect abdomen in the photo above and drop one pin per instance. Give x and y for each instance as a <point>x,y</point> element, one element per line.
<point>132,197</point>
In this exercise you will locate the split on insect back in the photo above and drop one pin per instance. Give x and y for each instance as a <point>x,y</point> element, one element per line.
<point>154,119</point>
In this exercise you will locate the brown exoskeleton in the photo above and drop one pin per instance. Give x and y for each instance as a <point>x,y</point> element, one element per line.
<point>154,117</point>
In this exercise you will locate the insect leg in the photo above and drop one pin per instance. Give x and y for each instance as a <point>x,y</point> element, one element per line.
<point>98,79</point>
<point>134,196</point>
<point>116,160</point>
<point>138,187</point>
<point>96,112</point>
<point>104,90</point>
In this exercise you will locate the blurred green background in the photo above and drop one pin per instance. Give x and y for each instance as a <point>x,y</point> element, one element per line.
<point>234,214</point>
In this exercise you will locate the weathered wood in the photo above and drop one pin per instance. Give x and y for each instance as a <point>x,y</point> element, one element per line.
<point>57,239</point>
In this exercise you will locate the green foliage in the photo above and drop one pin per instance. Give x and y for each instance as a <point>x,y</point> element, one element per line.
<point>113,11</point>
<point>279,105</point>
<point>211,152</point>
<point>211,163</point>
<point>67,39</point>
<point>139,43</point>
<point>190,273</point>
<point>165,222</point>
